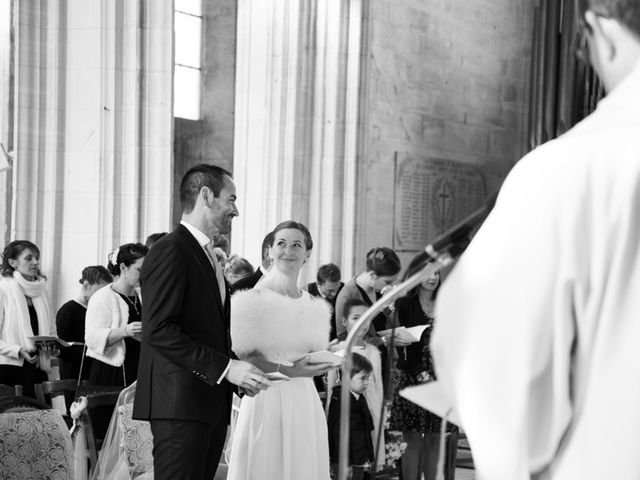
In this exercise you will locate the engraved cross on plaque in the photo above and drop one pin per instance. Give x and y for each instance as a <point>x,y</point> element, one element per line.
<point>444,197</point>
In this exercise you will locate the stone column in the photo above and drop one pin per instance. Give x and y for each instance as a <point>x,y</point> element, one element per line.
<point>297,113</point>
<point>93,125</point>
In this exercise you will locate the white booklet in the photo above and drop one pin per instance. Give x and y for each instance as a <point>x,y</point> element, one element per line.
<point>277,377</point>
<point>40,339</point>
<point>406,335</point>
<point>325,356</point>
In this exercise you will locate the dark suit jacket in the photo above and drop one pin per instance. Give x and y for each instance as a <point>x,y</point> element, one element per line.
<point>312,288</point>
<point>185,335</point>
<point>360,428</point>
<point>247,282</point>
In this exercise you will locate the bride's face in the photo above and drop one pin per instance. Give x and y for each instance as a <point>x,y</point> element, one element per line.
<point>288,252</point>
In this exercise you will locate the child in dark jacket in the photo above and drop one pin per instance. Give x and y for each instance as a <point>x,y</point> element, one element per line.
<point>360,421</point>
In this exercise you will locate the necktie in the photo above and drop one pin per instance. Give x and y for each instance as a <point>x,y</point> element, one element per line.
<point>209,248</point>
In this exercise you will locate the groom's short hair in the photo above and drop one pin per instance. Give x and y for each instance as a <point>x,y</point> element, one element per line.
<point>203,175</point>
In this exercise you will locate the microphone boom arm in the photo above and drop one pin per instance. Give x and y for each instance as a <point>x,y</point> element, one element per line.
<point>437,255</point>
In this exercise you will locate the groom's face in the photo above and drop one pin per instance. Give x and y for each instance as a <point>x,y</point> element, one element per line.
<point>222,209</point>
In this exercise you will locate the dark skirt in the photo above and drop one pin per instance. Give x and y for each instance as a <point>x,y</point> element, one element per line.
<point>104,374</point>
<point>406,415</point>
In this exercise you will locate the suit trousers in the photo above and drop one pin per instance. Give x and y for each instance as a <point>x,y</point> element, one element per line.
<point>184,450</point>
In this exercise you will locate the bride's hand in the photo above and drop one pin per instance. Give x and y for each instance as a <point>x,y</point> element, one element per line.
<point>302,368</point>
<point>335,345</point>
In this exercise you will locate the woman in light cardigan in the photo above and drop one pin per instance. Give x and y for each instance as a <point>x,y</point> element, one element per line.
<point>113,324</point>
<point>24,312</point>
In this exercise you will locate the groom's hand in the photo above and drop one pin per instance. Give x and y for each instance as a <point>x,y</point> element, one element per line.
<point>249,378</point>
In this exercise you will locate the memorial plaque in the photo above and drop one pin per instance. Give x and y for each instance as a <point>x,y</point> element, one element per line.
<point>431,195</point>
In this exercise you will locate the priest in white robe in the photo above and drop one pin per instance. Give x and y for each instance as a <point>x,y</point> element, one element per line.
<point>537,343</point>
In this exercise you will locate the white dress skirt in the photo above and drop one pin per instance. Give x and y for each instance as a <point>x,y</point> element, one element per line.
<point>281,433</point>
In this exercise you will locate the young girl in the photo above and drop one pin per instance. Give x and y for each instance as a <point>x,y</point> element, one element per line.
<point>353,309</point>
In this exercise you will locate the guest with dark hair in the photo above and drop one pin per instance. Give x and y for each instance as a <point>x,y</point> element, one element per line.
<point>327,286</point>
<point>237,268</point>
<point>251,280</point>
<point>113,323</point>
<point>24,312</point>
<point>70,321</point>
<point>383,267</point>
<point>153,238</point>
<point>420,428</point>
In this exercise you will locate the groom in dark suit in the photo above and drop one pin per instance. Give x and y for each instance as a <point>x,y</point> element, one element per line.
<point>186,364</point>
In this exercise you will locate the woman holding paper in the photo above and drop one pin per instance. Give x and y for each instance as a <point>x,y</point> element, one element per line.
<point>281,432</point>
<point>24,313</point>
<point>113,324</point>
<point>414,367</point>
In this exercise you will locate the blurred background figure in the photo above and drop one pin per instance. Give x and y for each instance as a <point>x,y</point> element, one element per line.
<point>221,249</point>
<point>24,312</point>
<point>251,280</point>
<point>327,286</point>
<point>383,267</point>
<point>153,238</point>
<point>237,268</point>
<point>70,321</point>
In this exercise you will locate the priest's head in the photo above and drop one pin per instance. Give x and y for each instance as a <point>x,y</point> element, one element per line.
<point>611,30</point>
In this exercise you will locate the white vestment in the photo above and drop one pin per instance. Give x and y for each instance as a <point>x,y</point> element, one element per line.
<point>537,342</point>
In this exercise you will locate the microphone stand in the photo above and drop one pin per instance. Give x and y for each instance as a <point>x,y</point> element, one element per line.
<point>437,255</point>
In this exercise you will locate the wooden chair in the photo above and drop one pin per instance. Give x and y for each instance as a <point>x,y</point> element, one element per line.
<point>18,403</point>
<point>108,397</point>
<point>49,392</point>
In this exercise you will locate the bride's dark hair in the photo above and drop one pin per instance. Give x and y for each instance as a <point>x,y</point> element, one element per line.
<point>308,242</point>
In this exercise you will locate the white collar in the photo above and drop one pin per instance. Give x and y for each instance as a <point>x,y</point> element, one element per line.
<point>200,237</point>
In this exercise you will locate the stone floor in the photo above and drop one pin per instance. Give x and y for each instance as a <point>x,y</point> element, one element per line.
<point>464,470</point>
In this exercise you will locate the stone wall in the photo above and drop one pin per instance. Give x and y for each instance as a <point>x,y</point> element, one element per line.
<point>210,140</point>
<point>446,79</point>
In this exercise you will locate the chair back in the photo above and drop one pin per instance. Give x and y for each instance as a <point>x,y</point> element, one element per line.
<point>99,397</point>
<point>36,443</point>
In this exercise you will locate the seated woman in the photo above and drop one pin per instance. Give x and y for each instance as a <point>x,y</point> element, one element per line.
<point>281,433</point>
<point>24,312</point>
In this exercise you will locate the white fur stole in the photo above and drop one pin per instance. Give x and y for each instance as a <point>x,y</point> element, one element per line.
<point>276,326</point>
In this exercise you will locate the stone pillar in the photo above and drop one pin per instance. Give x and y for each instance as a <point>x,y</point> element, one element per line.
<point>297,113</point>
<point>6,117</point>
<point>93,126</point>
<point>39,122</point>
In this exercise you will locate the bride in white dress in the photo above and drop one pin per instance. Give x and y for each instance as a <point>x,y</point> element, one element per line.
<point>282,432</point>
